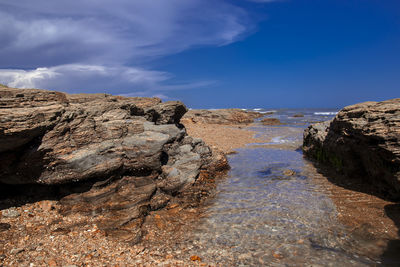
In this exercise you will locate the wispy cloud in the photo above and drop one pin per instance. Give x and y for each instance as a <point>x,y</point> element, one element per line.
<point>91,45</point>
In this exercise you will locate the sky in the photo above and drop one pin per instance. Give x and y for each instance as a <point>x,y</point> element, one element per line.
<point>206,53</point>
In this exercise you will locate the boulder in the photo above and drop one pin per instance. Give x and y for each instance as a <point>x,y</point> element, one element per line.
<point>362,141</point>
<point>118,157</point>
<point>221,116</point>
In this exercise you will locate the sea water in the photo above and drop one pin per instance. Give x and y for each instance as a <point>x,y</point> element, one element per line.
<point>270,211</point>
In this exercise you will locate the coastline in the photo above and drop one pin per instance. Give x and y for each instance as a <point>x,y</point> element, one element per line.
<point>165,230</point>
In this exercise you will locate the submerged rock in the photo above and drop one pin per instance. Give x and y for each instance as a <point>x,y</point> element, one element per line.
<point>271,121</point>
<point>362,141</point>
<point>221,116</point>
<point>115,156</point>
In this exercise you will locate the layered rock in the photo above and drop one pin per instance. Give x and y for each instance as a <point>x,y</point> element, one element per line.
<point>220,116</point>
<point>362,141</point>
<point>112,157</point>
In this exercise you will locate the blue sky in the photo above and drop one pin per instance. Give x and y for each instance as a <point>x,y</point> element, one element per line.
<point>209,54</point>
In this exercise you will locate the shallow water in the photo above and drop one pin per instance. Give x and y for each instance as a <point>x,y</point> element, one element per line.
<point>270,211</point>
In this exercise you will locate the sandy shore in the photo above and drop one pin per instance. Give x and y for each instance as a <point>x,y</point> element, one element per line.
<point>226,138</point>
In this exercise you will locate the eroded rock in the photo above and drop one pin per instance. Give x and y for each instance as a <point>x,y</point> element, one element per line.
<point>271,121</point>
<point>111,157</point>
<point>363,140</point>
<point>221,116</point>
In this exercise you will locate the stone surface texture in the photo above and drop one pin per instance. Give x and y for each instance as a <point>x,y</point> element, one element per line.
<point>362,141</point>
<point>111,157</point>
<point>220,116</point>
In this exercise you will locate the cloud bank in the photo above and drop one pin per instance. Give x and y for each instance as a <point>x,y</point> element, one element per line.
<point>94,45</point>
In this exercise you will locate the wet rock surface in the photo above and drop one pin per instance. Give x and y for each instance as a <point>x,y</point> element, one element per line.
<point>363,142</point>
<point>113,159</point>
<point>220,116</point>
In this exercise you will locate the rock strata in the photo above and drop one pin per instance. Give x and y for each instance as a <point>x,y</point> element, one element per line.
<point>220,116</point>
<point>362,141</point>
<point>111,157</point>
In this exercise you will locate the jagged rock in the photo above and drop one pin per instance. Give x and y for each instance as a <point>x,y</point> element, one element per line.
<point>220,116</point>
<point>112,156</point>
<point>363,140</point>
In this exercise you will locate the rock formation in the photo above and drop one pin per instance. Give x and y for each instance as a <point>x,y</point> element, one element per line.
<point>271,121</point>
<point>362,141</point>
<point>108,156</point>
<point>220,116</point>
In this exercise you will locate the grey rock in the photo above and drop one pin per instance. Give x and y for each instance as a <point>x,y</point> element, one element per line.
<point>16,250</point>
<point>11,213</point>
<point>116,156</point>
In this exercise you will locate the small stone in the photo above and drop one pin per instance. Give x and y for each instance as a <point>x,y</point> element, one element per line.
<point>2,256</point>
<point>52,262</point>
<point>46,205</point>
<point>11,213</point>
<point>288,172</point>
<point>16,250</point>
<point>4,227</point>
<point>277,255</point>
<point>195,258</point>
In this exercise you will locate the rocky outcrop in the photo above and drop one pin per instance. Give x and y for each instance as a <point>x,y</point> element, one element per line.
<point>221,116</point>
<point>271,121</point>
<point>111,157</point>
<point>362,141</point>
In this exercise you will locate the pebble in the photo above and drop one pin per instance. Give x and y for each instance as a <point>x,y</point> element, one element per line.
<point>16,250</point>
<point>288,172</point>
<point>11,213</point>
<point>4,226</point>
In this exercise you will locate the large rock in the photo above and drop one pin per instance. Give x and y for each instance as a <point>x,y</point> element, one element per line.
<point>362,141</point>
<point>108,155</point>
<point>220,116</point>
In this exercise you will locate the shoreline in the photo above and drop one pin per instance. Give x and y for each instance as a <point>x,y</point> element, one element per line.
<point>363,215</point>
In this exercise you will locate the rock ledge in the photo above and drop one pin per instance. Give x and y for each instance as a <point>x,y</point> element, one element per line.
<point>111,157</point>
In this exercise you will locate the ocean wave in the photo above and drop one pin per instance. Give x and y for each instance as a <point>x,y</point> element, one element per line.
<point>268,111</point>
<point>325,113</point>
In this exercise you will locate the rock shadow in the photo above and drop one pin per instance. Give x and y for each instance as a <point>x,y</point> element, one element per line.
<point>391,255</point>
<point>355,183</point>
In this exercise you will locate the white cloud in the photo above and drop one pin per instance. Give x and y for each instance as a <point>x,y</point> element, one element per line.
<point>88,45</point>
<point>122,80</point>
